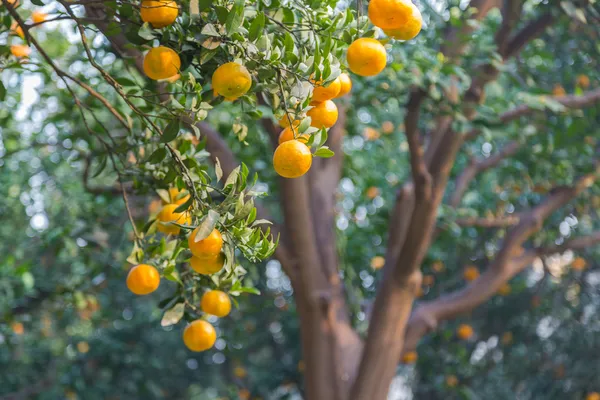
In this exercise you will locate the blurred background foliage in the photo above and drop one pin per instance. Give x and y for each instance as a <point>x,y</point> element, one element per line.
<point>69,328</point>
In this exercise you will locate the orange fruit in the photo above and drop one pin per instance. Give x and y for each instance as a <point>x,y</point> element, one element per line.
<point>593,396</point>
<point>143,279</point>
<point>428,280</point>
<point>292,159</point>
<point>583,81</point>
<point>323,115</point>
<point>345,85</point>
<point>176,196</point>
<point>504,290</point>
<point>284,122</point>
<point>464,332</point>
<point>159,13</point>
<point>372,192</point>
<point>471,273</point>
<point>168,214</point>
<point>377,262</point>
<point>410,357</point>
<point>231,80</point>
<point>558,90</point>
<point>209,247</point>
<point>578,264</point>
<point>390,14</point>
<point>408,30</point>
<point>366,57</point>
<point>288,134</point>
<point>17,328</point>
<point>83,347</point>
<point>199,335</point>
<point>38,17</point>
<point>244,394</point>
<point>216,302</point>
<point>322,93</point>
<point>452,381</point>
<point>371,134</point>
<point>16,29</point>
<point>20,50</point>
<point>161,63</point>
<point>207,266</point>
<point>437,266</point>
<point>240,372</point>
<point>387,127</point>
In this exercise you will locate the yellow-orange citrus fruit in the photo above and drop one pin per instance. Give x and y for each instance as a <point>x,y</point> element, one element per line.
<point>464,331</point>
<point>372,192</point>
<point>284,122</point>
<point>83,347</point>
<point>387,127</point>
<point>323,115</point>
<point>593,396</point>
<point>471,273</point>
<point>38,17</point>
<point>345,85</point>
<point>504,290</point>
<point>174,78</point>
<point>199,335</point>
<point>20,50</point>
<point>244,394</point>
<point>143,279</point>
<point>507,338</point>
<point>322,93</point>
<point>428,280</point>
<point>408,30</point>
<point>288,134</point>
<point>451,380</point>
<point>583,81</point>
<point>240,372</point>
<point>216,302</point>
<point>16,29</point>
<point>292,159</point>
<point>231,80</point>
<point>17,328</point>
<point>558,90</point>
<point>161,63</point>
<point>366,57</point>
<point>177,197</point>
<point>377,262</point>
<point>209,247</point>
<point>168,214</point>
<point>371,134</point>
<point>437,266</point>
<point>578,264</point>
<point>159,13</point>
<point>207,265</point>
<point>410,357</point>
<point>390,14</point>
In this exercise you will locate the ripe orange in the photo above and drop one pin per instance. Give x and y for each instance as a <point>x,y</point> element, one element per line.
<point>578,264</point>
<point>323,115</point>
<point>176,196</point>
<point>377,262</point>
<point>20,50</point>
<point>390,14</point>
<point>504,290</point>
<point>583,81</point>
<point>558,90</point>
<point>240,372</point>
<point>207,266</point>
<point>452,381</point>
<point>471,273</point>
<point>216,302</point>
<point>464,331</point>
<point>371,134</point>
<point>410,357</point>
<point>231,80</point>
<point>38,17</point>
<point>366,57</point>
<point>284,122</point>
<point>159,13</point>
<point>593,396</point>
<point>437,266</point>
<point>322,93</point>
<point>288,134</point>
<point>168,214</point>
<point>345,85</point>
<point>199,335</point>
<point>410,29</point>
<point>292,159</point>
<point>207,248</point>
<point>372,192</point>
<point>161,63</point>
<point>17,328</point>
<point>15,29</point>
<point>143,279</point>
<point>387,127</point>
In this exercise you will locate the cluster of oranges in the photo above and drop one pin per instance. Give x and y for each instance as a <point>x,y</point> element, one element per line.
<point>207,259</point>
<point>22,50</point>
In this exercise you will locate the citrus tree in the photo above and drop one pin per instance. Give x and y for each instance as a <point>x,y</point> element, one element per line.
<point>176,103</point>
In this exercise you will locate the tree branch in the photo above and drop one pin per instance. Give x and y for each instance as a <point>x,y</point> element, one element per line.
<point>525,35</point>
<point>420,175</point>
<point>492,222</point>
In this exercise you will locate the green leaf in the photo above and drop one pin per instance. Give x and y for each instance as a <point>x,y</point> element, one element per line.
<point>173,316</point>
<point>324,152</point>
<point>207,225</point>
<point>158,155</point>
<point>204,4</point>
<point>323,137</point>
<point>38,3</point>
<point>170,132</point>
<point>235,17</point>
<point>256,27</point>
<point>145,32</point>
<point>101,166</point>
<point>218,169</point>
<point>2,91</point>
<point>185,206</point>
